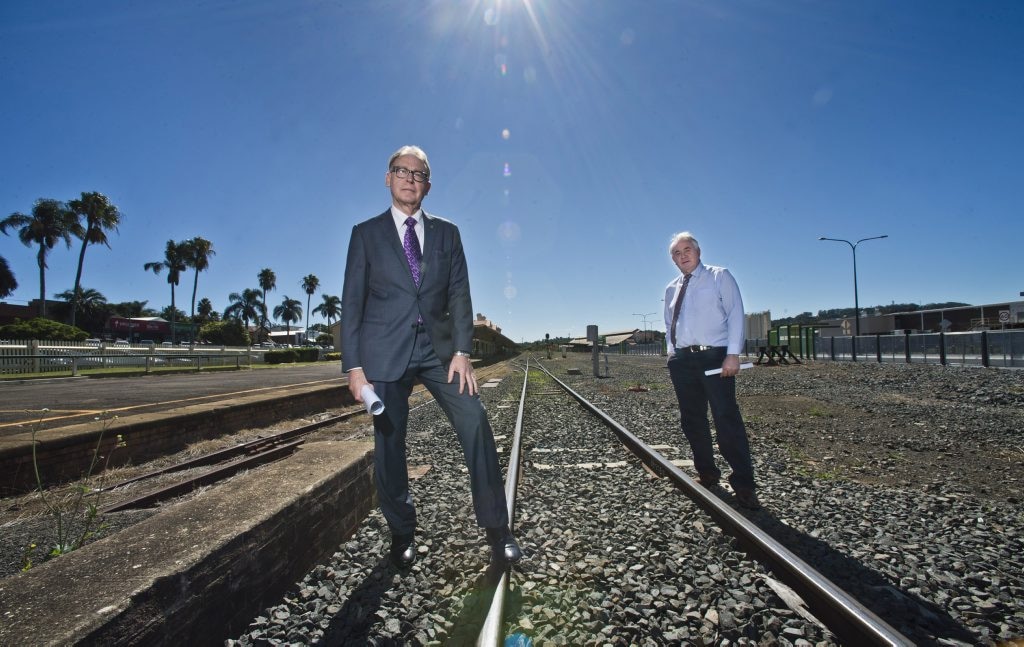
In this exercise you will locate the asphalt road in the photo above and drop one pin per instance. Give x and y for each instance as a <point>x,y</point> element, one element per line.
<point>74,400</point>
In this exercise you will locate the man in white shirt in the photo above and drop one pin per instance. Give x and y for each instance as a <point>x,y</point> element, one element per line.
<point>704,330</point>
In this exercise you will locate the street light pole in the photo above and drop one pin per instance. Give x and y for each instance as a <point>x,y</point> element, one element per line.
<point>643,317</point>
<point>856,301</point>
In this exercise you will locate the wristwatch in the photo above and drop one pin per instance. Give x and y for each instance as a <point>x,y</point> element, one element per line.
<point>462,353</point>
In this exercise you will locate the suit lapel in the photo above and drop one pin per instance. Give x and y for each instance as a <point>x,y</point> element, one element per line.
<point>431,241</point>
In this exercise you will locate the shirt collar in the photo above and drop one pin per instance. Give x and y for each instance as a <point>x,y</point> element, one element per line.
<point>697,271</point>
<point>400,217</point>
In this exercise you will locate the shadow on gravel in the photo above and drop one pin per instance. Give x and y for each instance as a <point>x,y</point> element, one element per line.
<point>357,623</point>
<point>917,619</point>
<point>351,625</point>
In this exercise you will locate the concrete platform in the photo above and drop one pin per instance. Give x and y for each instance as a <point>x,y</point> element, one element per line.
<point>199,571</point>
<point>64,453</point>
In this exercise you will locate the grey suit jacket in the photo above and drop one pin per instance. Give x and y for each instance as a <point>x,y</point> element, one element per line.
<point>380,302</point>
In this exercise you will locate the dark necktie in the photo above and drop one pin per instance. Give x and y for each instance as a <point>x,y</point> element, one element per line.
<point>412,249</point>
<point>679,306</point>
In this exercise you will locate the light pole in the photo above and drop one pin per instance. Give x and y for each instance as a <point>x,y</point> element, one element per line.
<point>643,317</point>
<point>856,302</point>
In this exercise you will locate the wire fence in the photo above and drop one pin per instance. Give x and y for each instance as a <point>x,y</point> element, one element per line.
<point>990,348</point>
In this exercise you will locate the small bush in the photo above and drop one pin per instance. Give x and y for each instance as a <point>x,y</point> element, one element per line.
<point>307,354</point>
<point>333,357</point>
<point>40,328</point>
<point>286,356</point>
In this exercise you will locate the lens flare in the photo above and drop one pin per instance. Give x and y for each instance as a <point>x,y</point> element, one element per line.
<point>508,171</point>
<point>509,232</point>
<point>505,134</point>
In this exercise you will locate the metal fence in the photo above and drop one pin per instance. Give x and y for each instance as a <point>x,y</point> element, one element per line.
<point>19,357</point>
<point>995,348</point>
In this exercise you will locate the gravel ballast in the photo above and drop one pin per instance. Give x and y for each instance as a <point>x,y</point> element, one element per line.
<point>899,483</point>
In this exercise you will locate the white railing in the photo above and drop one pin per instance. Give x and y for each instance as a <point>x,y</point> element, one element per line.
<point>33,356</point>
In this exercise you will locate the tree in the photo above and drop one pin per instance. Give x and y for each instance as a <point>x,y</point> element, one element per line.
<point>171,313</point>
<point>330,308</point>
<point>91,304</point>
<point>268,281</point>
<point>205,312</point>
<point>246,306</point>
<point>88,299</point>
<point>49,223</point>
<point>174,262</point>
<point>100,217</point>
<point>309,284</point>
<point>225,333</point>
<point>197,256</point>
<point>8,284</point>
<point>289,312</point>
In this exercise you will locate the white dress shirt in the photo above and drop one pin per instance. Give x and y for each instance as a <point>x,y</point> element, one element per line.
<point>712,310</point>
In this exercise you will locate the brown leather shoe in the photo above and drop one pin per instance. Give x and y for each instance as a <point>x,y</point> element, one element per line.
<point>708,480</point>
<point>747,498</point>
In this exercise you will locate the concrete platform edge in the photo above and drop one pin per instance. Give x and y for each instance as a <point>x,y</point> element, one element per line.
<point>65,452</point>
<point>198,572</point>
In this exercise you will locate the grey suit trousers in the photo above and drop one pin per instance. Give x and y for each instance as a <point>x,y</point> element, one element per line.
<point>467,415</point>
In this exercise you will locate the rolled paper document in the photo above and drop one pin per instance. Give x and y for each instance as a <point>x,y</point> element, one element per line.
<point>373,404</point>
<point>716,371</point>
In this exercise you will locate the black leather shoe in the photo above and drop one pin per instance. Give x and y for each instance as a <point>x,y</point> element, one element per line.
<point>503,545</point>
<point>403,550</point>
<point>708,480</point>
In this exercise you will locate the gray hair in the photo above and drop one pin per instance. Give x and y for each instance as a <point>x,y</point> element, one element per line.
<point>683,235</point>
<point>415,151</point>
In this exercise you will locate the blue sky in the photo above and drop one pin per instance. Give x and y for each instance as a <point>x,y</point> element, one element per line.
<point>568,140</point>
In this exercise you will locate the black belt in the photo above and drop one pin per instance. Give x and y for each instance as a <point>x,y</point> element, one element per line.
<point>696,349</point>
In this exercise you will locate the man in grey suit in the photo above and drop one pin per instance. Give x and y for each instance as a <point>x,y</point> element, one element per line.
<point>406,314</point>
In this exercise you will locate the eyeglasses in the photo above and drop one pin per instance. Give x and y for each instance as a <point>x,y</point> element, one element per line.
<point>403,173</point>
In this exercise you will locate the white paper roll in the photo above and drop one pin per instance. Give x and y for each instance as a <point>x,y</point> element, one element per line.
<point>716,371</point>
<point>373,404</point>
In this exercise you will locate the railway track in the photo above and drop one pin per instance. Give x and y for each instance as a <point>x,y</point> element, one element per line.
<point>839,612</point>
<point>210,468</point>
<point>621,548</point>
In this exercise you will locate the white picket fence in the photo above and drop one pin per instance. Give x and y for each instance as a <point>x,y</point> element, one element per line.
<point>21,356</point>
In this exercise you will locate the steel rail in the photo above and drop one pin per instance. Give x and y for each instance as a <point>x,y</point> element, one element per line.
<point>219,473</point>
<point>258,451</point>
<point>221,455</point>
<point>846,617</point>
<point>490,633</point>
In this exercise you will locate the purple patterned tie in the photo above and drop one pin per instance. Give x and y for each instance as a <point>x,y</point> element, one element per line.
<point>412,249</point>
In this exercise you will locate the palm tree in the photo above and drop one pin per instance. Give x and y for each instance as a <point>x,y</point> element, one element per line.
<point>204,311</point>
<point>100,217</point>
<point>197,256</point>
<point>91,303</point>
<point>268,281</point>
<point>88,299</point>
<point>310,284</point>
<point>49,223</point>
<point>174,262</point>
<point>330,308</point>
<point>289,311</point>
<point>8,284</point>
<point>246,306</point>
